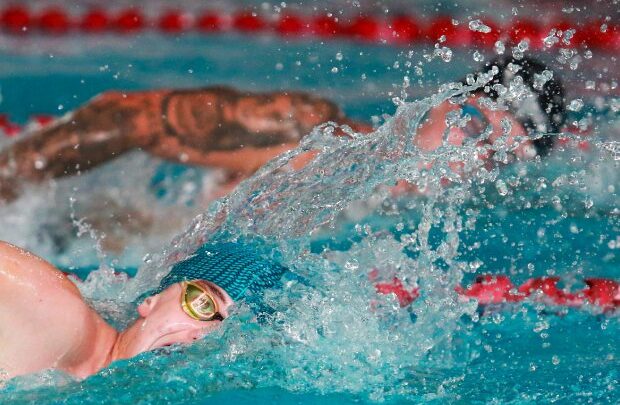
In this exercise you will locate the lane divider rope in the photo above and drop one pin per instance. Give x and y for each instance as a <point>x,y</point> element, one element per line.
<point>487,289</point>
<point>399,29</point>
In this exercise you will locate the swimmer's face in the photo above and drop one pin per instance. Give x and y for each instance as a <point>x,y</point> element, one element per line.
<point>431,132</point>
<point>164,322</point>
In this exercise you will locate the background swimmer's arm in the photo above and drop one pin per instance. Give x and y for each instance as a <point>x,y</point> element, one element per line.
<point>214,126</point>
<point>109,125</point>
<point>238,131</point>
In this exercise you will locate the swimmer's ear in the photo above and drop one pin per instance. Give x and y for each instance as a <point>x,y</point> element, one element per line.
<point>145,308</point>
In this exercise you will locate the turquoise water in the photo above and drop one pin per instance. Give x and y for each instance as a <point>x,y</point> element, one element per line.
<point>333,222</point>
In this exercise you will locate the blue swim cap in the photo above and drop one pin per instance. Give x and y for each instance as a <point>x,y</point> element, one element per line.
<point>237,268</point>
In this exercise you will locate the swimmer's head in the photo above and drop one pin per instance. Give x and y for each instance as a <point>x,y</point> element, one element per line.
<point>234,267</point>
<point>195,297</point>
<point>530,101</point>
<point>540,106</point>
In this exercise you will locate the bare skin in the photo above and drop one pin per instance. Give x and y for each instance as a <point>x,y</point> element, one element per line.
<point>37,298</point>
<point>218,127</point>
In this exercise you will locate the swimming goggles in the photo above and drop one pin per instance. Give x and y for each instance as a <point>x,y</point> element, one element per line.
<point>198,303</point>
<point>477,123</point>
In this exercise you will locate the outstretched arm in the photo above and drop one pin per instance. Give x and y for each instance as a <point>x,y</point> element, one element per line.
<point>218,126</point>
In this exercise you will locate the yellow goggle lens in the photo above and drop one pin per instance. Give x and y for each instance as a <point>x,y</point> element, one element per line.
<point>197,303</point>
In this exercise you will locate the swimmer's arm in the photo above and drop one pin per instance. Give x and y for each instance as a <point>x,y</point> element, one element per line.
<point>239,131</point>
<point>214,127</point>
<point>106,127</point>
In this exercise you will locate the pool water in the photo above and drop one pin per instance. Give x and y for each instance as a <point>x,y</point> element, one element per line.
<point>333,222</point>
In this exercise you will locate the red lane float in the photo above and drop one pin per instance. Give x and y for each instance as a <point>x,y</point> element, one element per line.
<point>209,22</point>
<point>398,29</point>
<point>248,22</point>
<point>291,25</point>
<point>16,19</point>
<point>7,127</point>
<point>54,21</point>
<point>527,30</point>
<point>445,28</point>
<point>326,26</point>
<point>498,289</point>
<point>129,21</point>
<point>95,21</point>
<point>406,30</point>
<point>174,21</point>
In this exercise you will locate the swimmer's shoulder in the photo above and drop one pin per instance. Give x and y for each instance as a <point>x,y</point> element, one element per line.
<point>42,314</point>
<point>23,269</point>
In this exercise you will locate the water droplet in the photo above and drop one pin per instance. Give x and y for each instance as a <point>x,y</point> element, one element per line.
<point>500,48</point>
<point>40,163</point>
<point>339,56</point>
<point>506,126</point>
<point>444,53</point>
<point>576,105</point>
<point>479,26</point>
<point>555,360</point>
<point>502,189</point>
<point>478,57</point>
<point>551,39</point>
<point>568,35</point>
<point>334,70</point>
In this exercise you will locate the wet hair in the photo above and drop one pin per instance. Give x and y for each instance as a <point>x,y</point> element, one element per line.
<point>549,96</point>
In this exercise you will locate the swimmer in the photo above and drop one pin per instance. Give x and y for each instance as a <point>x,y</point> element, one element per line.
<point>240,131</point>
<point>525,120</point>
<point>532,105</point>
<point>46,324</point>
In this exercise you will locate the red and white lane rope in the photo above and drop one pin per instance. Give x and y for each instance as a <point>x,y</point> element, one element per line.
<point>397,29</point>
<point>498,289</point>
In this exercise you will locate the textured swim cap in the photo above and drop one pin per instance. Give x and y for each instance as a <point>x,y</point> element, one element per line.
<point>237,268</point>
<point>544,111</point>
